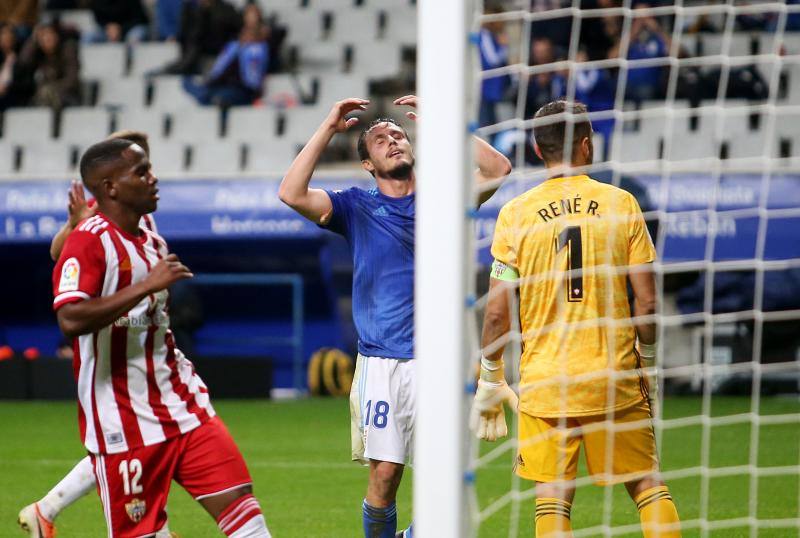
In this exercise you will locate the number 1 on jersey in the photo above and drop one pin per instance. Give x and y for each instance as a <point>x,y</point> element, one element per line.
<point>571,237</point>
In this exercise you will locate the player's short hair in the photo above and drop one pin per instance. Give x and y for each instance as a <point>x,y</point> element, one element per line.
<point>139,138</point>
<point>551,136</point>
<point>100,155</point>
<point>363,152</point>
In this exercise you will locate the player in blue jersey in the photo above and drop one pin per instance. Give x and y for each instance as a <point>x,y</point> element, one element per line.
<point>379,225</point>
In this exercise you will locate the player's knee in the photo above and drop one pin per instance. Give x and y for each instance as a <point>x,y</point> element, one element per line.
<point>636,487</point>
<point>385,479</point>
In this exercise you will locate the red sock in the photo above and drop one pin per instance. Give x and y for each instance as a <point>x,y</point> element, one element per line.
<point>238,513</point>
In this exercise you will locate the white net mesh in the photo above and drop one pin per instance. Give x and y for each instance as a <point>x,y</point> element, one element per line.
<point>696,111</point>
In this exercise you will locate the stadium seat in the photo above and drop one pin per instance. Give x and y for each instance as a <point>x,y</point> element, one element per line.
<point>289,89</point>
<point>248,124</point>
<point>377,60</point>
<point>147,57</point>
<point>404,5</point>
<point>750,144</point>
<point>196,125</point>
<point>49,158</point>
<point>79,19</point>
<point>7,157</point>
<point>150,121</point>
<point>168,158</point>
<point>28,124</point>
<point>168,94</point>
<point>333,5</point>
<point>632,146</point>
<point>300,123</point>
<point>271,157</point>
<point>305,26</point>
<point>321,57</point>
<point>218,158</point>
<point>401,27</point>
<point>336,87</point>
<point>739,44</point>
<point>787,132</point>
<point>103,60</point>
<point>366,20</point>
<point>689,145</point>
<point>84,125</point>
<point>122,92</point>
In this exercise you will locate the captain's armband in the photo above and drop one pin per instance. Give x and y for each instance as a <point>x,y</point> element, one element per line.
<point>502,271</point>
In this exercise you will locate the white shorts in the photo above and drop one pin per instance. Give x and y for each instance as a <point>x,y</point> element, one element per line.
<point>382,409</point>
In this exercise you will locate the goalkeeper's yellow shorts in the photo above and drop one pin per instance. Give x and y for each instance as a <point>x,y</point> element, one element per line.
<point>619,448</point>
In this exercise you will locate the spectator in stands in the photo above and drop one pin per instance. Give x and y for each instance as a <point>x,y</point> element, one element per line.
<point>14,85</point>
<point>238,73</point>
<point>545,86</point>
<point>168,19</point>
<point>597,89</point>
<point>53,64</point>
<point>493,47</point>
<point>648,40</point>
<point>206,27</point>
<point>119,20</point>
<point>598,34</point>
<point>21,14</point>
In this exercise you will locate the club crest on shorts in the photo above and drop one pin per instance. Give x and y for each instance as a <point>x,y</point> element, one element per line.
<point>136,510</point>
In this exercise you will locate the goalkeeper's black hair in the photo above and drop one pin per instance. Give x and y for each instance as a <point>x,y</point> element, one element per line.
<point>363,153</point>
<point>551,136</point>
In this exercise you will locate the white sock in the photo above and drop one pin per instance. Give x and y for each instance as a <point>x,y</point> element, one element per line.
<point>78,482</point>
<point>255,528</point>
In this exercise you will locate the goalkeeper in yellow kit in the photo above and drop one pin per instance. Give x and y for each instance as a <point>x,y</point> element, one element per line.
<point>571,245</point>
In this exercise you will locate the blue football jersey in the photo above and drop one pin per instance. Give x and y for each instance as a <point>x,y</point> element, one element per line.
<point>380,231</point>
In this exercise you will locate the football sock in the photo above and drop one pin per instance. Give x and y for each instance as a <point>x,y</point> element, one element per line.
<point>658,514</point>
<point>78,482</point>
<point>379,522</point>
<point>243,519</point>
<point>552,518</point>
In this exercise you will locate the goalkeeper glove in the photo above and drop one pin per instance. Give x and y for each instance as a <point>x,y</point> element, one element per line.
<point>488,419</point>
<point>648,354</point>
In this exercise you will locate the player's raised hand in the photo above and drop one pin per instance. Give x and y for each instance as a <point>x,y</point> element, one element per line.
<point>167,272</point>
<point>488,418</point>
<point>336,117</point>
<point>408,100</point>
<point>77,208</point>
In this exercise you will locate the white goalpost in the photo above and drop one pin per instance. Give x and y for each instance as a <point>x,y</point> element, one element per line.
<point>719,176</point>
<point>443,270</point>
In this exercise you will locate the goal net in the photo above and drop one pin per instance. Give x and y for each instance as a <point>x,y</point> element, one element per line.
<point>695,107</point>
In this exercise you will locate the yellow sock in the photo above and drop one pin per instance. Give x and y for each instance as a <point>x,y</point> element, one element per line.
<point>658,514</point>
<point>552,518</point>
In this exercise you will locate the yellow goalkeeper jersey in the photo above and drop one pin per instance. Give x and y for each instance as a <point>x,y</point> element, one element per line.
<point>570,241</point>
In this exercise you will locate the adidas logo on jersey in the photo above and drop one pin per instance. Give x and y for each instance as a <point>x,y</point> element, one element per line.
<point>381,212</point>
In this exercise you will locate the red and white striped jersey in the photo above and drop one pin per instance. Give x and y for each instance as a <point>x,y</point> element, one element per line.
<point>147,221</point>
<point>135,388</point>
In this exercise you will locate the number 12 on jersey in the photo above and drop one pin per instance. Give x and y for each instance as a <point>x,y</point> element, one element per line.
<point>570,237</point>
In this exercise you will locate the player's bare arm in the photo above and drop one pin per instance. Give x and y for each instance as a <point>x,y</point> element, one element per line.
<point>75,319</point>
<point>496,319</point>
<point>487,418</point>
<point>492,165</point>
<point>315,204</point>
<point>77,210</point>
<point>643,283</point>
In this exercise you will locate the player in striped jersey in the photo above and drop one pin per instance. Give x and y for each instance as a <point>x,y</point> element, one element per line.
<point>145,416</point>
<point>379,226</point>
<point>38,519</point>
<point>571,245</point>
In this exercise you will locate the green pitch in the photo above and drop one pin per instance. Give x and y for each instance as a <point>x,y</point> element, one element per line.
<point>298,454</point>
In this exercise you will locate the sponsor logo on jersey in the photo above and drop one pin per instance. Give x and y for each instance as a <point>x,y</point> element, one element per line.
<point>136,509</point>
<point>70,275</point>
<point>114,438</point>
<point>381,212</point>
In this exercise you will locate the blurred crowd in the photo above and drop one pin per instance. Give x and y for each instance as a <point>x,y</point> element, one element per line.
<point>600,38</point>
<point>224,53</point>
